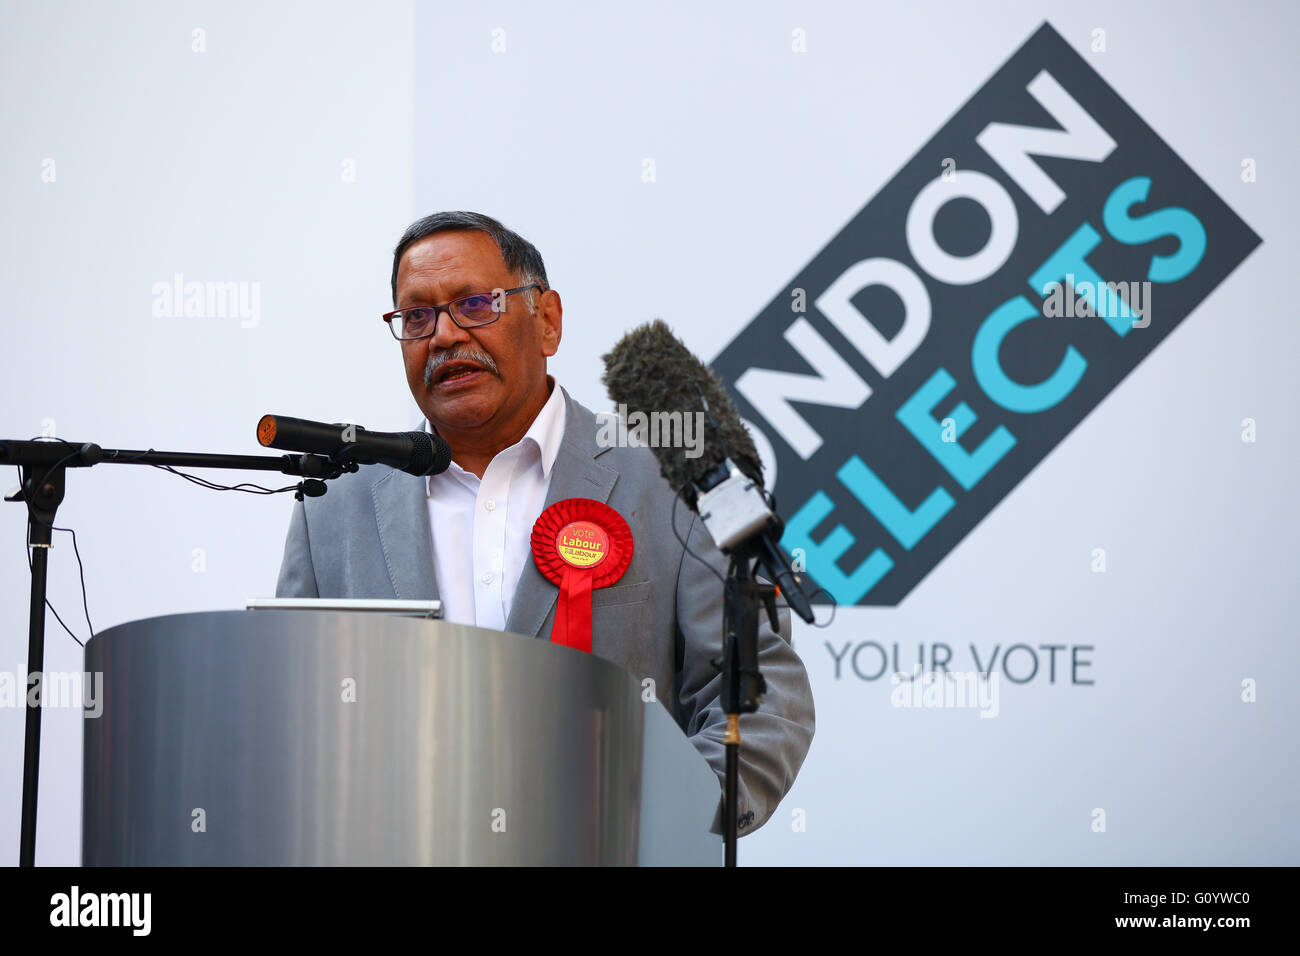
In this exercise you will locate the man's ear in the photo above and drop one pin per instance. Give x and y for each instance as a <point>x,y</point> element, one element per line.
<point>550,311</point>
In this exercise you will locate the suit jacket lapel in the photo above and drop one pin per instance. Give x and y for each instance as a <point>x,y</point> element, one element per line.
<point>576,474</point>
<point>402,514</point>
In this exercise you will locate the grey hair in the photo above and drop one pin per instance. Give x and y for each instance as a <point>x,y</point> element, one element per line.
<point>521,256</point>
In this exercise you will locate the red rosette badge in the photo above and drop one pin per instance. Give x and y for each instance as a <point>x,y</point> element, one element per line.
<point>579,544</point>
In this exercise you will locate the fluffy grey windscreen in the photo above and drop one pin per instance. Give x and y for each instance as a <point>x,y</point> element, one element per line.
<point>650,370</point>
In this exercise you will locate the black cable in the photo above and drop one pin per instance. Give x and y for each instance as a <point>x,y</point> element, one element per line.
<point>27,551</point>
<point>830,600</point>
<point>116,456</point>
<point>81,572</point>
<point>781,604</point>
<point>244,486</point>
<point>673,521</point>
<point>31,516</point>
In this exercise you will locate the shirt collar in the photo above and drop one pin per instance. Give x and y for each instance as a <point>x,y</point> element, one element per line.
<point>546,433</point>
<point>547,430</point>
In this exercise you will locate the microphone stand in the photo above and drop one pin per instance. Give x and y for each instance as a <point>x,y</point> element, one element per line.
<point>742,683</point>
<point>43,466</point>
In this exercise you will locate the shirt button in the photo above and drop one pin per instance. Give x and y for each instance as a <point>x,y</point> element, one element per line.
<point>490,505</point>
<point>487,579</point>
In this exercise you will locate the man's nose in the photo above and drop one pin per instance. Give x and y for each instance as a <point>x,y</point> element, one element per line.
<point>447,333</point>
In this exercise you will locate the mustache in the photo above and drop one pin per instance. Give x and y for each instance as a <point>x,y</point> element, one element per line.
<point>466,354</point>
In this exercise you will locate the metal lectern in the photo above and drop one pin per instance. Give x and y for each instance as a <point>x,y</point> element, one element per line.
<point>330,738</point>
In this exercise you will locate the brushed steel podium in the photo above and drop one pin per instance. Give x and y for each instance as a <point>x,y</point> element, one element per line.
<point>234,738</point>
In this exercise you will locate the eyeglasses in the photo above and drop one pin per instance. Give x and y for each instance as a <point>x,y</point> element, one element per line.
<point>468,312</point>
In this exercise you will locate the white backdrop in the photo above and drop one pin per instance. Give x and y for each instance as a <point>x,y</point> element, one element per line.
<point>287,146</point>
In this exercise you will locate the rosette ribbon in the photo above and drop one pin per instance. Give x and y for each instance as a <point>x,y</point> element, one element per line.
<point>579,544</point>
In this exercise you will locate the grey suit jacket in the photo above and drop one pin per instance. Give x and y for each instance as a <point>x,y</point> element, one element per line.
<point>369,537</point>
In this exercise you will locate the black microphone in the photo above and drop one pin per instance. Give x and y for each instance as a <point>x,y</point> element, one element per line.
<point>650,371</point>
<point>416,453</point>
<point>48,453</point>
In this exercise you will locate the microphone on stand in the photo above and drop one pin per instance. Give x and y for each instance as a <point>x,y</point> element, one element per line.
<point>416,453</point>
<point>650,371</point>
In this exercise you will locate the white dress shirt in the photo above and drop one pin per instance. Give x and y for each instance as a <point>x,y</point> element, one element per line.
<point>482,528</point>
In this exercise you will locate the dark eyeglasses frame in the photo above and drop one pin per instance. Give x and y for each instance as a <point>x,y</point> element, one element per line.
<point>446,307</point>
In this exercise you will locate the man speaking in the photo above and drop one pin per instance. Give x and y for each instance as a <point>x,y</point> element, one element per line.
<point>477,319</point>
